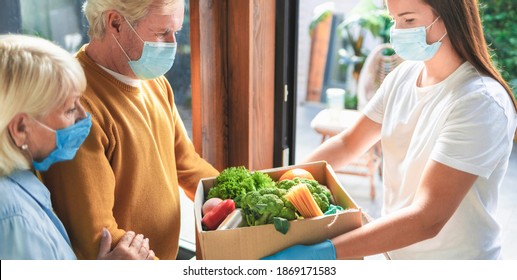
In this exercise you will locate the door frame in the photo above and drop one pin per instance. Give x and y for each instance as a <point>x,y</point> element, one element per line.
<point>286,65</point>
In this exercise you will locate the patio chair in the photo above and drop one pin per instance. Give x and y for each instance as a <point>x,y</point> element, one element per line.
<point>375,69</point>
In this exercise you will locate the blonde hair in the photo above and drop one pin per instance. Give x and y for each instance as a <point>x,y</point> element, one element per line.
<point>36,77</point>
<point>132,10</point>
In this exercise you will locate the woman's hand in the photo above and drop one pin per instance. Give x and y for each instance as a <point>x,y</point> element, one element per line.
<point>130,247</point>
<point>320,251</point>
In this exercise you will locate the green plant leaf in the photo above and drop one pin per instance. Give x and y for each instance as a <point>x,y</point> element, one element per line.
<point>281,224</point>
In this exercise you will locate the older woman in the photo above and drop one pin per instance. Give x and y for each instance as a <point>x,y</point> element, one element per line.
<point>42,122</point>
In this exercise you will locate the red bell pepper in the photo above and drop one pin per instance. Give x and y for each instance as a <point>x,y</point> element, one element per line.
<point>217,215</point>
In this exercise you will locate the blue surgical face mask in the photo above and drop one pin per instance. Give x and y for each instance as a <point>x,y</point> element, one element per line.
<point>156,59</point>
<point>68,141</point>
<point>411,43</point>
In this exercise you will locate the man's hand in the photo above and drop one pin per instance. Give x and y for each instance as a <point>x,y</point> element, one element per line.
<point>130,247</point>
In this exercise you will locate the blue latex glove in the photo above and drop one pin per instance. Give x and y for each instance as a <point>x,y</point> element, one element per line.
<point>321,251</point>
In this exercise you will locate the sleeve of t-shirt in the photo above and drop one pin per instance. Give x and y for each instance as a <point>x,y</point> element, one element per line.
<point>374,109</point>
<point>474,135</point>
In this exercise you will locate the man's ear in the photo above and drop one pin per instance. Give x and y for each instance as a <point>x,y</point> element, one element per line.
<point>114,21</point>
<point>18,128</point>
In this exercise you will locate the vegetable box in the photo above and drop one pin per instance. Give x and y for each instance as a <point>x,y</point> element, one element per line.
<point>255,242</point>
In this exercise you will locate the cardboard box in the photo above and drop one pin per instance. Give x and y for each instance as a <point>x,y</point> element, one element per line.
<point>255,242</point>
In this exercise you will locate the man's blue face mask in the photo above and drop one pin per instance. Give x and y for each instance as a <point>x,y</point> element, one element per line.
<point>157,58</point>
<point>68,141</point>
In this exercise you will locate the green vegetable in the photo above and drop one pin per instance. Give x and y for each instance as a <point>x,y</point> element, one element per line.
<point>262,206</point>
<point>261,199</point>
<point>320,193</point>
<point>262,180</point>
<point>281,224</point>
<point>235,182</point>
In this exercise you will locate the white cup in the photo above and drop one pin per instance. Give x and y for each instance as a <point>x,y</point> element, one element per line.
<point>335,102</point>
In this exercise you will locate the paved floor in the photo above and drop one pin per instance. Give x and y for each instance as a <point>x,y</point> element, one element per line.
<point>358,187</point>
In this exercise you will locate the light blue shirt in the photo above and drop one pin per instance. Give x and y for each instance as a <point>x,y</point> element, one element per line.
<point>29,229</point>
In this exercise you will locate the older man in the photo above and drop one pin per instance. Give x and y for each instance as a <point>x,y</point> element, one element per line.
<point>126,174</point>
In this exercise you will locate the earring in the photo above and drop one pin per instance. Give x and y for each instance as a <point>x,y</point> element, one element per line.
<point>25,147</point>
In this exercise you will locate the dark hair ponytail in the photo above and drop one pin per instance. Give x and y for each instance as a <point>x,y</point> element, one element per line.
<point>465,31</point>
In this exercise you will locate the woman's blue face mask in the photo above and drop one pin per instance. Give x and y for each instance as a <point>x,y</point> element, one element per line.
<point>157,58</point>
<point>68,141</point>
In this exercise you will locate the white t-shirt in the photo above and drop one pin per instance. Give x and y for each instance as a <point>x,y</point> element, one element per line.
<point>466,122</point>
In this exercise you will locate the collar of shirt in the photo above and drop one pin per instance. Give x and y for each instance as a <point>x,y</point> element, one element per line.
<point>122,78</point>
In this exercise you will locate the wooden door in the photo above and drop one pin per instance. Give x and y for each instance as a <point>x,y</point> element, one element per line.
<point>232,54</point>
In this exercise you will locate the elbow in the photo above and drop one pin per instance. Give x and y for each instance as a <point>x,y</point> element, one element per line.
<point>428,225</point>
<point>432,230</point>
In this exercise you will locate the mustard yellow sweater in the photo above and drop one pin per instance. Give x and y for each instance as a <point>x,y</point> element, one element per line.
<point>126,174</point>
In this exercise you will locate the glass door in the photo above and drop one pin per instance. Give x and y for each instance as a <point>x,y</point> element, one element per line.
<point>286,37</point>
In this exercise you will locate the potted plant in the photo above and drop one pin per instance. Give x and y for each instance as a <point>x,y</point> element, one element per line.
<point>366,17</point>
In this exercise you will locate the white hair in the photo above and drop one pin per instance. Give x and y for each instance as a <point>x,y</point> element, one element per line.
<point>132,10</point>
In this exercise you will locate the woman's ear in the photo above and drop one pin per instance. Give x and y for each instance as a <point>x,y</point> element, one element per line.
<point>18,128</point>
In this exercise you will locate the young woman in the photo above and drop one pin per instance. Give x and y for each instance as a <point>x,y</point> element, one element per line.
<point>42,122</point>
<point>446,120</point>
